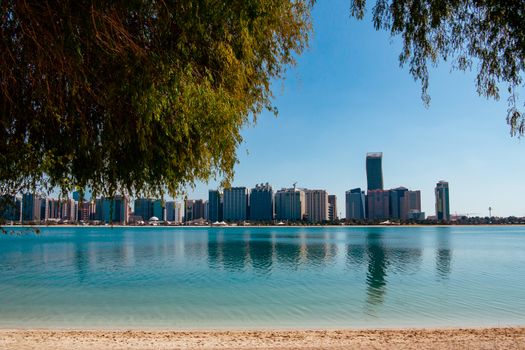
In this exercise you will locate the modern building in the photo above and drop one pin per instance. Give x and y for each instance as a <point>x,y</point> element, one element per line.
<point>147,208</point>
<point>316,209</point>
<point>86,209</point>
<point>10,208</point>
<point>32,207</point>
<point>397,202</point>
<point>442,201</point>
<point>179,212</point>
<point>374,171</point>
<point>290,204</point>
<point>355,204</point>
<point>235,204</point>
<point>174,212</point>
<point>332,207</point>
<point>113,210</point>
<point>261,203</point>
<point>188,210</point>
<point>412,206</point>
<point>60,209</point>
<point>158,209</point>
<point>378,204</point>
<point>143,208</point>
<point>403,202</point>
<point>214,206</point>
<point>170,211</point>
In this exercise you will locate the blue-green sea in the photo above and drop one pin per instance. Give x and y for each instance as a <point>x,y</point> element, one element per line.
<point>268,277</point>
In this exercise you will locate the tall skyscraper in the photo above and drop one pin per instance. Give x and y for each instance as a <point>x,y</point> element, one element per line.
<point>290,204</point>
<point>188,210</point>
<point>32,207</point>
<point>374,171</point>
<point>355,204</point>
<point>442,201</point>
<point>10,208</point>
<point>174,212</point>
<point>158,209</point>
<point>261,203</point>
<point>316,209</point>
<point>148,208</point>
<point>403,202</point>
<point>114,210</point>
<point>378,204</point>
<point>332,207</point>
<point>397,202</point>
<point>214,206</point>
<point>235,204</point>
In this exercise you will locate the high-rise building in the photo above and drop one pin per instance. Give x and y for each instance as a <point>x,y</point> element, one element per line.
<point>10,208</point>
<point>114,210</point>
<point>148,208</point>
<point>412,206</point>
<point>194,209</point>
<point>158,209</point>
<point>316,209</point>
<point>199,209</point>
<point>403,202</point>
<point>374,171</point>
<point>442,201</point>
<point>32,207</point>
<point>261,203</point>
<point>397,202</point>
<point>143,208</point>
<point>235,204</point>
<point>86,208</point>
<point>355,204</point>
<point>332,207</point>
<point>174,212</point>
<point>188,210</point>
<point>378,204</point>
<point>214,206</point>
<point>290,204</point>
<point>170,211</point>
<point>178,212</point>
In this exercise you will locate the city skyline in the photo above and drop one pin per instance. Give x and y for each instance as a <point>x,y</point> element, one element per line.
<point>348,96</point>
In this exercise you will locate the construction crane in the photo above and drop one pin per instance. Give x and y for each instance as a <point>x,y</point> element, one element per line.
<point>294,184</point>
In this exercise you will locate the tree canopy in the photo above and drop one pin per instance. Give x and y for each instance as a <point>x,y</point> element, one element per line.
<point>147,96</point>
<point>137,96</point>
<point>489,34</point>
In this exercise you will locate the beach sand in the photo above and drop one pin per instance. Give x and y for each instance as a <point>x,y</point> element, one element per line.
<point>482,338</point>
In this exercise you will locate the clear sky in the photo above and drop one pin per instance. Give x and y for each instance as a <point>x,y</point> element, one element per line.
<point>348,96</point>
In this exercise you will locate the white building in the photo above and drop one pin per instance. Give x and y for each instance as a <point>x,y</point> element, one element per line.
<point>316,205</point>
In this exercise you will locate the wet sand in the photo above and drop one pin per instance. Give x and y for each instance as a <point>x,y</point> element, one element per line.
<point>478,338</point>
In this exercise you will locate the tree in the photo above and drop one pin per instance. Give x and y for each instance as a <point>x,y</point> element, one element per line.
<point>486,33</point>
<point>138,96</point>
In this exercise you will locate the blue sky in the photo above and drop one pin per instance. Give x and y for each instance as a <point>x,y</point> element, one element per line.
<point>348,96</point>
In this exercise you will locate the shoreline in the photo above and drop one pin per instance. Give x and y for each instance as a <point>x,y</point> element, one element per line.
<point>407,338</point>
<point>257,226</point>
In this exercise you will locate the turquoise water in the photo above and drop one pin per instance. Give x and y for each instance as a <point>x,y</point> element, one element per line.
<point>202,278</point>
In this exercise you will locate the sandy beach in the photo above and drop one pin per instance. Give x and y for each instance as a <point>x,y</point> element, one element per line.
<point>480,338</point>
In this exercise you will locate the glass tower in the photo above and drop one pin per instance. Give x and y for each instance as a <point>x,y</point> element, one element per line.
<point>374,172</point>
<point>442,201</point>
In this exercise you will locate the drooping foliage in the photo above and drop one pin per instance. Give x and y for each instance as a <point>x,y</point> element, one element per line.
<point>487,35</point>
<point>136,96</point>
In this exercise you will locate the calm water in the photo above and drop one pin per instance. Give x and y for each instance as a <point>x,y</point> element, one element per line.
<point>263,277</point>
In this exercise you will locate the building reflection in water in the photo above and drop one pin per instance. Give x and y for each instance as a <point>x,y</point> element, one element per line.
<point>377,267</point>
<point>443,253</point>
<point>81,260</point>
